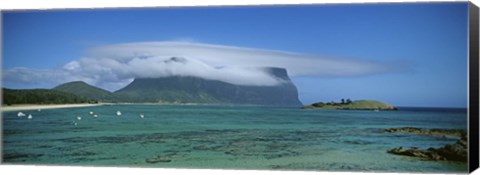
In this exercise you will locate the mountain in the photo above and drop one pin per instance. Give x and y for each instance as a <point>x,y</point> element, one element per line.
<point>40,96</point>
<point>88,91</point>
<point>189,89</point>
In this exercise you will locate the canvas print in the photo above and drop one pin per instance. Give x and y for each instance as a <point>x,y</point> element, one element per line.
<point>352,87</point>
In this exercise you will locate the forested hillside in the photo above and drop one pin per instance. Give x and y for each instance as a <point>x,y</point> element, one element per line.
<point>40,96</point>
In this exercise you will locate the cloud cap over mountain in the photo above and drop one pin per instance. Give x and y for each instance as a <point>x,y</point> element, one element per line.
<point>114,66</point>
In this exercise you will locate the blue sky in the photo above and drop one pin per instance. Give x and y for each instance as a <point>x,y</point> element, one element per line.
<point>424,45</point>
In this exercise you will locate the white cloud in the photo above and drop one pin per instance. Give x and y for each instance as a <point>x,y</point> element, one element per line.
<point>219,55</point>
<point>114,66</point>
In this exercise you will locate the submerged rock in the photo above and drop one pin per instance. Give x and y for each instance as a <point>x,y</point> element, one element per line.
<point>168,157</point>
<point>432,132</point>
<point>429,154</point>
<point>20,156</point>
<point>201,148</point>
<point>157,159</point>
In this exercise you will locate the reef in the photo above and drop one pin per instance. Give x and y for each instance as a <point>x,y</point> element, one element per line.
<point>450,152</point>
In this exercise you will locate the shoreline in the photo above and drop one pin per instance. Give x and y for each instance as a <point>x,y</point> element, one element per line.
<point>46,106</point>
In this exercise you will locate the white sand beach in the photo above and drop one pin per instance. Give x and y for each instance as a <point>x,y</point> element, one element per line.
<point>48,106</point>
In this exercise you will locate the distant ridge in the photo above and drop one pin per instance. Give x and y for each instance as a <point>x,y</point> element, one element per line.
<point>88,91</point>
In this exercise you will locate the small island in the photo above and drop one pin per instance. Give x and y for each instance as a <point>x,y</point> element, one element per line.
<point>351,105</point>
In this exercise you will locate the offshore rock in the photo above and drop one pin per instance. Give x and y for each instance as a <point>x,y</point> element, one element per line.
<point>451,152</point>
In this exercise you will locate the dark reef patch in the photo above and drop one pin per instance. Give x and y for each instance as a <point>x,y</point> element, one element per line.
<point>451,152</point>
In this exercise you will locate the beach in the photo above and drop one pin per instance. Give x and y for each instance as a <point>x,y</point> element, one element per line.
<point>46,106</point>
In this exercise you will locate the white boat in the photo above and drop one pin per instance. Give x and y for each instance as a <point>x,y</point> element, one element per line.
<point>79,118</point>
<point>142,116</point>
<point>91,113</point>
<point>30,116</point>
<point>95,115</point>
<point>119,113</point>
<point>21,114</point>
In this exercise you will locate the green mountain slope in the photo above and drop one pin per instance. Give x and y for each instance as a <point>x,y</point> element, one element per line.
<point>180,89</point>
<point>189,89</point>
<point>83,89</point>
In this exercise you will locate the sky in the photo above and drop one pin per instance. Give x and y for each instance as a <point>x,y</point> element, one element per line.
<point>411,54</point>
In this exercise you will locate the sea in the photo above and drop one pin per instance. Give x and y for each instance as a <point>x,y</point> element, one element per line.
<point>228,137</point>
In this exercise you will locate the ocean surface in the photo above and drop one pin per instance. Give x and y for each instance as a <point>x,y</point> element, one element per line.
<point>227,137</point>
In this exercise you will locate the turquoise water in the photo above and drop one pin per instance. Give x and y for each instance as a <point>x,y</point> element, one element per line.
<point>227,137</point>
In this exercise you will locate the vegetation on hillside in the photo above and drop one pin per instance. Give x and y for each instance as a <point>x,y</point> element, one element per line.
<point>83,89</point>
<point>40,96</point>
<point>352,105</point>
<point>173,89</point>
<point>177,89</point>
